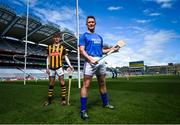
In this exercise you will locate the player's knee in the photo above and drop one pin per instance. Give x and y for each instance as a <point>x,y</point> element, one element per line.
<point>86,86</point>
<point>102,88</point>
<point>62,83</point>
<point>102,82</point>
<point>52,82</point>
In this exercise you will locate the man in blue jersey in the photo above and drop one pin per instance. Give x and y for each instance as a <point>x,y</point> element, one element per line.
<point>91,47</point>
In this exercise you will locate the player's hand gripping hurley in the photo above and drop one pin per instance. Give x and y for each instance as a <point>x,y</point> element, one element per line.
<point>119,45</point>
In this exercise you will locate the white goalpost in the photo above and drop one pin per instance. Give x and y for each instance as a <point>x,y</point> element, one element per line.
<point>77,35</point>
<point>25,53</point>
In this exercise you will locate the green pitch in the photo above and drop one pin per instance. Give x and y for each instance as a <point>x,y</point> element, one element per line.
<point>141,99</point>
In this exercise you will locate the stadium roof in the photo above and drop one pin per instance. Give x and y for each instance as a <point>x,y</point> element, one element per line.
<point>12,25</point>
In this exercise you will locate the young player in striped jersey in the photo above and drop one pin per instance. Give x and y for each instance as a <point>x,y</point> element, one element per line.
<point>56,54</point>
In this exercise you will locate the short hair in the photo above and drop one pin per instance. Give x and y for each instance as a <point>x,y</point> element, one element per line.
<point>90,17</point>
<point>57,35</point>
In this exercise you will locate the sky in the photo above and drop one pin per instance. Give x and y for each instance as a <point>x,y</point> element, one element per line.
<point>150,28</point>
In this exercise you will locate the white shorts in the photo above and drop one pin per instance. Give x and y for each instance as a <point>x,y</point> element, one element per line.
<point>98,69</point>
<point>58,72</point>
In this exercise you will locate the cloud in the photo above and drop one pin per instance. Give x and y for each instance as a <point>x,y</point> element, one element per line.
<point>160,37</point>
<point>63,16</point>
<point>166,5</point>
<point>154,14</point>
<point>143,21</point>
<point>152,50</point>
<point>19,3</point>
<point>110,36</point>
<point>163,3</point>
<point>149,12</point>
<point>147,46</point>
<point>113,37</point>
<point>51,15</point>
<point>32,3</point>
<point>121,58</point>
<point>146,11</point>
<point>111,8</point>
<point>136,29</point>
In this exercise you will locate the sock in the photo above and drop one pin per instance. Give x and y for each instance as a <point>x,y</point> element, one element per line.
<point>50,92</point>
<point>104,97</point>
<point>83,103</point>
<point>63,92</point>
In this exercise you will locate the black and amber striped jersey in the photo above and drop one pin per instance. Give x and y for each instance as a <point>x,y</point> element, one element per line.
<point>56,53</point>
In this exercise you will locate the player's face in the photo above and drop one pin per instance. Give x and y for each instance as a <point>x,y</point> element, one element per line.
<point>56,39</point>
<point>91,24</point>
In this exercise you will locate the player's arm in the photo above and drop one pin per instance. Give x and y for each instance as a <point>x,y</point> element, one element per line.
<point>47,64</point>
<point>68,62</point>
<point>65,54</point>
<point>84,53</point>
<point>106,50</point>
<point>47,61</point>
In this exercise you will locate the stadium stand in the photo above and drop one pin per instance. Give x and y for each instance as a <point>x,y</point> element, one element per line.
<point>12,43</point>
<point>12,49</point>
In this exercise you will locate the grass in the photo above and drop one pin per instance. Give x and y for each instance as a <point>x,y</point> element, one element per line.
<point>140,100</point>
